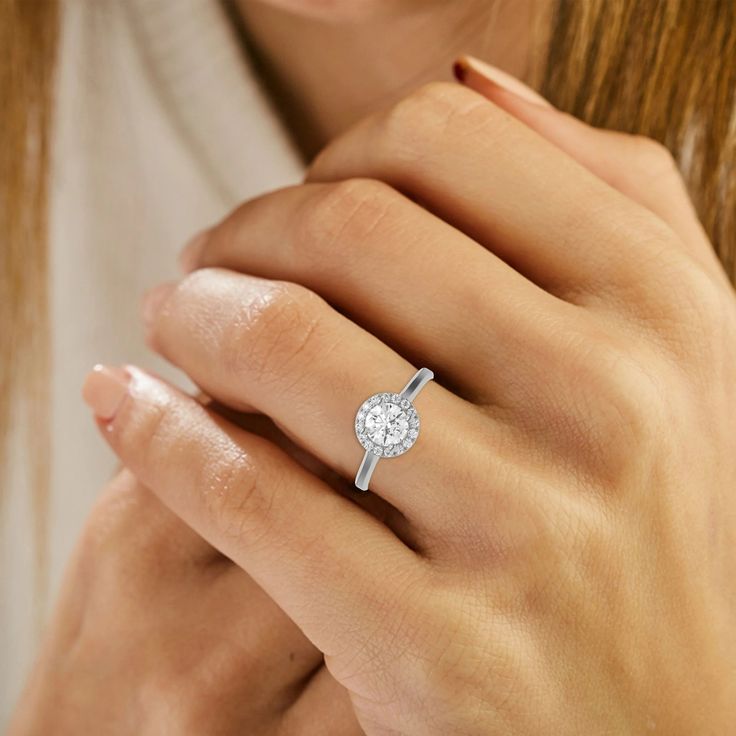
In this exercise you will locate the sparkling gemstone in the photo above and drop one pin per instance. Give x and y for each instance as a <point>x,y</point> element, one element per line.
<point>387,424</point>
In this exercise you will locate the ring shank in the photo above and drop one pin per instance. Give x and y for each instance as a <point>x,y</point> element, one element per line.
<point>420,379</point>
<point>365,471</point>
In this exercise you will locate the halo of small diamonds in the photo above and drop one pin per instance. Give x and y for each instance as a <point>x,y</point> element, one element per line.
<point>387,424</point>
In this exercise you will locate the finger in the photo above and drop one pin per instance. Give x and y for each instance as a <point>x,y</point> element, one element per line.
<point>379,508</point>
<point>205,400</point>
<point>131,525</point>
<point>323,709</point>
<point>272,647</point>
<point>392,267</point>
<point>328,565</point>
<point>503,184</point>
<point>154,551</point>
<point>638,167</point>
<point>279,347</point>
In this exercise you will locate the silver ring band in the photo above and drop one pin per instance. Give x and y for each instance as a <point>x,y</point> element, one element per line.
<point>387,425</point>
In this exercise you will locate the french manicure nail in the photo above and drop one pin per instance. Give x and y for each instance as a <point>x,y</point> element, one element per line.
<point>190,254</point>
<point>105,389</point>
<point>476,74</point>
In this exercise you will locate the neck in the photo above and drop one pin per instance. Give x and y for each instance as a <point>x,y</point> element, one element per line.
<point>325,75</point>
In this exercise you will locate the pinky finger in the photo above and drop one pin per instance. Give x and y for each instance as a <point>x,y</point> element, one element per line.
<point>638,167</point>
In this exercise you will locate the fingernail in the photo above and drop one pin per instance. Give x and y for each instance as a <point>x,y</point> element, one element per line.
<point>192,251</point>
<point>460,69</point>
<point>153,300</point>
<point>105,389</point>
<point>477,75</point>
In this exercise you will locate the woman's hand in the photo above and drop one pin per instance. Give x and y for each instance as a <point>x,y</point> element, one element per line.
<point>567,561</point>
<point>158,633</point>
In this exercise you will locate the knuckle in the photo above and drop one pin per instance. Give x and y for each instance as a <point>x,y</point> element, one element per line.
<point>653,238</point>
<point>434,95</point>
<point>706,303</point>
<point>433,112</point>
<point>671,298</point>
<point>193,301</point>
<point>146,432</point>
<point>150,425</point>
<point>342,215</point>
<point>276,331</point>
<point>197,281</point>
<point>624,405</point>
<point>633,282</point>
<point>633,396</point>
<point>694,315</point>
<point>652,157</point>
<point>616,413</point>
<point>242,504</point>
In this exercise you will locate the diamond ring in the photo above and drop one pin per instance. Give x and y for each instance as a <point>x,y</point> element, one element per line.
<point>387,425</point>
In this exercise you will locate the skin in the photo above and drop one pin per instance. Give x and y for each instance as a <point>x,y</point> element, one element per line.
<point>556,554</point>
<point>579,577</point>
<point>332,62</point>
<point>155,632</point>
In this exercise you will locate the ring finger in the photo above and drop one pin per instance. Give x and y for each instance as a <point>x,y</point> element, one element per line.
<point>280,348</point>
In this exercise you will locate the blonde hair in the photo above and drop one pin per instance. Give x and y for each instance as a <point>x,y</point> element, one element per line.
<point>661,68</point>
<point>28,39</point>
<point>665,69</point>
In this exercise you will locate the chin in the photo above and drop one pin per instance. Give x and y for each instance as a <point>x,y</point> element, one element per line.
<point>337,10</point>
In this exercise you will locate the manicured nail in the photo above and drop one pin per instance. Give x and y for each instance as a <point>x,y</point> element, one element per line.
<point>478,75</point>
<point>153,300</point>
<point>460,69</point>
<point>190,254</point>
<point>105,389</point>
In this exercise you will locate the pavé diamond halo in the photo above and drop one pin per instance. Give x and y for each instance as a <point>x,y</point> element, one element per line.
<point>387,425</point>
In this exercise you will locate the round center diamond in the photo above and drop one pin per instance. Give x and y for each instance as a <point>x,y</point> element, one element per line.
<point>387,425</point>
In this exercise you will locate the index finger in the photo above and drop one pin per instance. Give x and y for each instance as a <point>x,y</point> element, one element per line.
<point>322,559</point>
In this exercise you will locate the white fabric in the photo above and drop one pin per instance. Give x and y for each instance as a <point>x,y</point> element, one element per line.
<point>161,129</point>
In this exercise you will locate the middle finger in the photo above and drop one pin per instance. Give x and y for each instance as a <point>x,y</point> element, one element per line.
<point>391,266</point>
<point>491,176</point>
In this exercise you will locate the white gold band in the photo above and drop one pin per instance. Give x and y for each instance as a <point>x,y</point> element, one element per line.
<point>387,425</point>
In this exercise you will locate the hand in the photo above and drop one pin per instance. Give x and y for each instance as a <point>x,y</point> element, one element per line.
<point>158,633</point>
<point>570,500</point>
